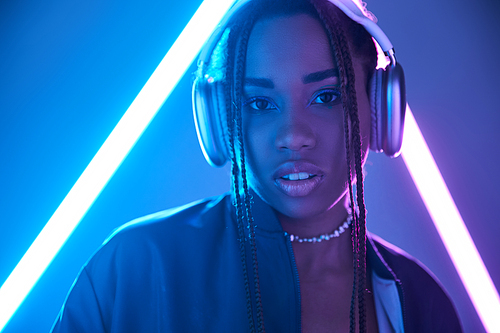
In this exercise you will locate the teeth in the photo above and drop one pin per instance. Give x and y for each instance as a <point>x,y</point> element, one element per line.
<point>303,175</point>
<point>297,176</point>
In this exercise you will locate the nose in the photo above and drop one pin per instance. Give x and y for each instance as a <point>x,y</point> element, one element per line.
<point>295,132</point>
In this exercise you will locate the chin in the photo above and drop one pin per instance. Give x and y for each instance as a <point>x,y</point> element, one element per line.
<point>301,208</point>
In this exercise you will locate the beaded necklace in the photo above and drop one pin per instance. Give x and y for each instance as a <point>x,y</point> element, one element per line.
<point>324,237</point>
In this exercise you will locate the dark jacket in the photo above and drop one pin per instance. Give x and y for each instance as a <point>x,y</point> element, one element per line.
<point>180,271</point>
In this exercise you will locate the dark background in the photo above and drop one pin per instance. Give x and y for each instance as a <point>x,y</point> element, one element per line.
<point>69,69</point>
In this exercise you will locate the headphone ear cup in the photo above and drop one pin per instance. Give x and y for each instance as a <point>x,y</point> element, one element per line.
<point>375,94</point>
<point>388,108</point>
<point>210,119</point>
<point>393,109</point>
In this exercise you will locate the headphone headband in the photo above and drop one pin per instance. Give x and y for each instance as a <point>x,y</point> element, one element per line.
<point>387,92</point>
<point>351,9</point>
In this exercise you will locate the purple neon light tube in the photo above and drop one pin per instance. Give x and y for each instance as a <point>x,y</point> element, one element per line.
<point>450,225</point>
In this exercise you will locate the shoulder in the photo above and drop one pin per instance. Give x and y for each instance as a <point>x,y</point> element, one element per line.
<point>426,302</point>
<point>198,215</point>
<point>171,231</point>
<point>401,265</point>
<point>395,258</point>
<point>134,265</point>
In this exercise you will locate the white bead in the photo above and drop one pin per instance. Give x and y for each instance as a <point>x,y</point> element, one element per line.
<point>318,239</point>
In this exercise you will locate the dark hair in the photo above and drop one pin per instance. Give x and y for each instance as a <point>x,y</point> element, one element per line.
<point>346,38</point>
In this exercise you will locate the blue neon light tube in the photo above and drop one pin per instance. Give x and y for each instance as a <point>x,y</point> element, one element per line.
<point>109,157</point>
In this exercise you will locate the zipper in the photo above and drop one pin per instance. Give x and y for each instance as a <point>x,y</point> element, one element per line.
<point>403,303</point>
<point>295,280</point>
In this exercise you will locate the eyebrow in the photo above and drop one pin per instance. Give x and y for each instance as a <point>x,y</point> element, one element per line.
<point>309,78</point>
<point>263,83</point>
<point>320,76</point>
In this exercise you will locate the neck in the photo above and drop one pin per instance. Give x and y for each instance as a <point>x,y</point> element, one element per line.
<point>322,223</point>
<point>334,254</point>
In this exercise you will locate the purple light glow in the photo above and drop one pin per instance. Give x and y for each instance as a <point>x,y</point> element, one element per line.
<point>449,224</point>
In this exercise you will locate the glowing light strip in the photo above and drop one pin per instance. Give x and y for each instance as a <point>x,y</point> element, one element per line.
<point>416,155</point>
<point>449,224</point>
<point>109,157</point>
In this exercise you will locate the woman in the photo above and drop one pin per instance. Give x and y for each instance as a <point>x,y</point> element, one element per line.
<point>286,84</point>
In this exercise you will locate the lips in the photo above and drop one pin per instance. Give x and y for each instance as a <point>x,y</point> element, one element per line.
<point>298,178</point>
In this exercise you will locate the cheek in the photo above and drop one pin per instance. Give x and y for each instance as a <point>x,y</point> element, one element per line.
<point>338,150</point>
<point>257,143</point>
<point>333,135</point>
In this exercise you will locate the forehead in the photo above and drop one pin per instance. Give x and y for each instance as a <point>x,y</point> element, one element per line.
<point>285,44</point>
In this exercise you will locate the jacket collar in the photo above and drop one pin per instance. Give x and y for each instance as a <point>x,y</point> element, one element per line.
<point>263,215</point>
<point>266,221</point>
<point>376,260</point>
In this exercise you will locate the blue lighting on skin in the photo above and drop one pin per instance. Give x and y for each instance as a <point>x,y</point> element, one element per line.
<point>141,112</point>
<point>109,157</point>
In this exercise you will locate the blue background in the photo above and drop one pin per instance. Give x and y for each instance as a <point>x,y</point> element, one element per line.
<point>70,68</point>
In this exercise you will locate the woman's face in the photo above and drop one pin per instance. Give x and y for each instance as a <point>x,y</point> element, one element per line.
<point>293,118</point>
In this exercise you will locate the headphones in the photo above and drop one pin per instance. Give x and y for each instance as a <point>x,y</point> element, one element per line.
<point>386,91</point>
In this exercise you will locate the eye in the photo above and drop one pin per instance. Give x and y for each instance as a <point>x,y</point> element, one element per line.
<point>260,104</point>
<point>329,96</point>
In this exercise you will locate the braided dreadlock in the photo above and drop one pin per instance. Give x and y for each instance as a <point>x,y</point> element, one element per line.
<point>238,92</point>
<point>237,45</point>
<point>234,169</point>
<point>334,22</point>
<point>332,18</point>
